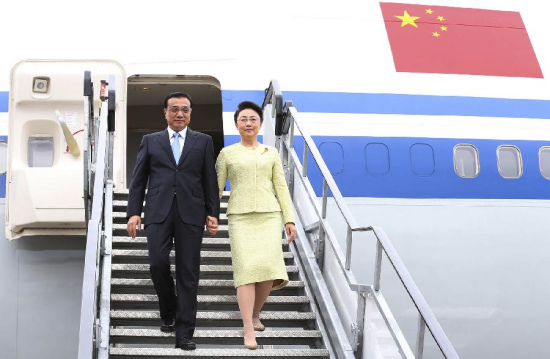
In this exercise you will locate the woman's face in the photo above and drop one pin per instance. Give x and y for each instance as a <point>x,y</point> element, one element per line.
<point>248,124</point>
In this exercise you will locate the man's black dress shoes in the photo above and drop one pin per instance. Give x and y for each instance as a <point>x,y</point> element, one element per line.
<point>168,327</point>
<point>185,343</point>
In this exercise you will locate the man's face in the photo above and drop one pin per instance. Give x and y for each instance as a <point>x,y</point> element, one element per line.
<point>178,113</point>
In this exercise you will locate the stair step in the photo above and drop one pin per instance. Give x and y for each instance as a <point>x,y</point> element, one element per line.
<point>144,318</point>
<point>121,205</point>
<point>207,257</point>
<point>219,337</point>
<point>215,353</point>
<point>211,243</point>
<point>208,302</point>
<point>120,217</point>
<point>206,286</point>
<point>122,229</point>
<point>123,193</point>
<point>206,271</point>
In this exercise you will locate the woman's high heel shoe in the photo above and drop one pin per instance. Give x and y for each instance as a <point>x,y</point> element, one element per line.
<point>251,346</point>
<point>259,328</point>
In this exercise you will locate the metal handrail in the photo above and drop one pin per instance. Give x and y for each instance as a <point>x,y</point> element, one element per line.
<point>426,315</point>
<point>99,183</point>
<point>427,318</point>
<point>105,300</point>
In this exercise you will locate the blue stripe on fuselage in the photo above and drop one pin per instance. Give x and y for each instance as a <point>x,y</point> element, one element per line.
<point>372,103</point>
<point>341,102</point>
<point>400,181</point>
<point>3,177</point>
<point>4,100</point>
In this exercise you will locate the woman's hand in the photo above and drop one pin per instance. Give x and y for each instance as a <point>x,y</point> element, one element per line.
<point>290,231</point>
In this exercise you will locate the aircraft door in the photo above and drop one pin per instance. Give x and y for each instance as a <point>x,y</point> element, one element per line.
<point>45,170</point>
<point>145,104</point>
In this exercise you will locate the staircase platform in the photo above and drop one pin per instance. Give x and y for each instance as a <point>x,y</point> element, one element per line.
<point>217,353</point>
<point>215,318</point>
<point>220,337</point>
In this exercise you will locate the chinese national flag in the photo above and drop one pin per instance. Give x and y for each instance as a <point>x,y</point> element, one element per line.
<point>452,40</point>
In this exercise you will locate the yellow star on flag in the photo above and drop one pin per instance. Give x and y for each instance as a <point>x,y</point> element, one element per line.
<point>440,18</point>
<point>429,11</point>
<point>443,28</point>
<point>407,19</point>
<point>435,34</point>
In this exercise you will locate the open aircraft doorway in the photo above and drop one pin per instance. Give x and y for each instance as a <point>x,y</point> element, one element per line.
<point>146,94</point>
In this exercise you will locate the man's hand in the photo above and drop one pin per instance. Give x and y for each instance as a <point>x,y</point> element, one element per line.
<point>134,223</point>
<point>212,224</point>
<point>290,231</point>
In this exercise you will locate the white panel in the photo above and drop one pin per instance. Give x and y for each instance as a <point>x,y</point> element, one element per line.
<point>469,127</point>
<point>51,198</point>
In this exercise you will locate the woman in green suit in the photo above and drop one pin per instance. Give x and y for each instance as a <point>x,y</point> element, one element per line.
<point>258,206</point>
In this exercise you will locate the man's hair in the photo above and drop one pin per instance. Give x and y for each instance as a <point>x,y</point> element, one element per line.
<point>249,105</point>
<point>178,95</point>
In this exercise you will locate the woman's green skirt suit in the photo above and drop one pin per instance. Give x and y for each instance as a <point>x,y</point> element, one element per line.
<point>258,207</point>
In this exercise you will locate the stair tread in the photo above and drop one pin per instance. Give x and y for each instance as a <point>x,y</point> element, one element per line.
<point>213,353</point>
<point>124,203</point>
<point>204,254</point>
<point>220,315</point>
<point>204,333</point>
<point>205,241</point>
<point>204,268</point>
<point>123,226</point>
<point>118,214</point>
<point>208,298</point>
<point>125,191</point>
<point>202,282</point>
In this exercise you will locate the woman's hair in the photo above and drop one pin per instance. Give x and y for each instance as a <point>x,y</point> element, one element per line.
<point>249,105</point>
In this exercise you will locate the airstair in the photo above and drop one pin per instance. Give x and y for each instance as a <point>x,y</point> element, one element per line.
<point>323,313</point>
<point>292,324</point>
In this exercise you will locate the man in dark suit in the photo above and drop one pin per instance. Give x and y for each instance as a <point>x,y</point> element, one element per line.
<point>182,194</point>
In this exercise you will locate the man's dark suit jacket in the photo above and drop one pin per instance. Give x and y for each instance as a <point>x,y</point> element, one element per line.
<point>193,180</point>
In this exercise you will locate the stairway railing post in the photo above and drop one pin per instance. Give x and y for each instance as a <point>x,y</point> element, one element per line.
<point>359,326</point>
<point>420,338</point>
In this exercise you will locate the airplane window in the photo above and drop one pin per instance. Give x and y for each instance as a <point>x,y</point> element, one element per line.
<point>377,159</point>
<point>333,154</point>
<point>40,152</point>
<point>509,161</point>
<point>422,159</point>
<point>466,161</point>
<point>544,161</point>
<point>3,157</point>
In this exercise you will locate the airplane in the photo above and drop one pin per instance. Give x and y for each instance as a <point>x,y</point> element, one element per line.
<point>445,145</point>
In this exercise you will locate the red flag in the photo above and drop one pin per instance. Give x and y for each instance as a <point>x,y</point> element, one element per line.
<point>452,40</point>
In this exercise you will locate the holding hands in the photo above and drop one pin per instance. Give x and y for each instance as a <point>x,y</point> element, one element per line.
<point>134,224</point>
<point>212,224</point>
